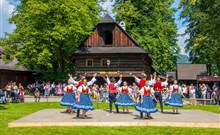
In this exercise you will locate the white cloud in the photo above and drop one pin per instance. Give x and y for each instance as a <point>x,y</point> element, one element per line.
<point>6,10</point>
<point>181,39</point>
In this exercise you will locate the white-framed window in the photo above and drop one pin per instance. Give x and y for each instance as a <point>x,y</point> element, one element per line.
<point>89,62</point>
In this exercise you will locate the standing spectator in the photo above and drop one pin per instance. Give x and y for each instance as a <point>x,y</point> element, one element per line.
<point>8,90</point>
<point>203,91</point>
<point>184,90</point>
<point>105,93</point>
<point>47,90</point>
<point>37,95</point>
<point>52,89</point>
<point>192,94</point>
<point>59,89</point>
<point>101,90</point>
<point>208,92</point>
<point>215,96</point>
<point>21,92</point>
<point>134,91</point>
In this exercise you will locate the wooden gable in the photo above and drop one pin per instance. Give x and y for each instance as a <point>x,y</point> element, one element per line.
<point>109,34</point>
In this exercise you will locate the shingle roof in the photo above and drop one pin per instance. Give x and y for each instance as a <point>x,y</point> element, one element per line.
<point>107,19</point>
<point>190,71</point>
<point>11,66</point>
<point>96,50</point>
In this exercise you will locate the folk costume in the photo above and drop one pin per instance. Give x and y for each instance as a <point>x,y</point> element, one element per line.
<point>124,98</point>
<point>84,102</point>
<point>112,89</point>
<point>69,97</point>
<point>146,105</point>
<point>174,99</point>
<point>158,88</point>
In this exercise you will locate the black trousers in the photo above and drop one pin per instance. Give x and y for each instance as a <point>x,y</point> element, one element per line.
<point>112,99</point>
<point>158,96</point>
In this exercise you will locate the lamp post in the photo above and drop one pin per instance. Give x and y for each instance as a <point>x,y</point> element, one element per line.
<point>108,62</point>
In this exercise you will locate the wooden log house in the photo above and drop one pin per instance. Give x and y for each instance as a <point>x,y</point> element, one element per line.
<point>111,50</point>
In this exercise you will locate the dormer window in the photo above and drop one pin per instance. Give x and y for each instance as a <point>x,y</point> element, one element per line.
<point>108,37</point>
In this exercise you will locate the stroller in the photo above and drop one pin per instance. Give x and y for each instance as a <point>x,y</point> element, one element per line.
<point>2,97</point>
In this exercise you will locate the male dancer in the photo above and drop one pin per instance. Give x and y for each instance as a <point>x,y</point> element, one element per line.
<point>80,82</point>
<point>158,88</point>
<point>112,89</point>
<point>142,83</point>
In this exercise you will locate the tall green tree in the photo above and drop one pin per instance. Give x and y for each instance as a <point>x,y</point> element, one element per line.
<point>203,18</point>
<point>151,22</point>
<point>47,31</point>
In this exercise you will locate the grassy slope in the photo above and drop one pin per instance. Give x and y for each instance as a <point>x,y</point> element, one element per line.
<point>12,112</point>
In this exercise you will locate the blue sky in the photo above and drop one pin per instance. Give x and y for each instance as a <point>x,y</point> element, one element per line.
<point>7,7</point>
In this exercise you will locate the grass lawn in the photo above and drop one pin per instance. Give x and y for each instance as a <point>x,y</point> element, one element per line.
<point>10,112</point>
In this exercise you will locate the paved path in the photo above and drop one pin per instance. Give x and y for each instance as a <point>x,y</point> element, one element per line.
<point>56,117</point>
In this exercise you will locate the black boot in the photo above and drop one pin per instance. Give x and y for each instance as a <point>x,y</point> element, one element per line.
<point>117,109</point>
<point>161,108</point>
<point>110,107</point>
<point>141,114</point>
<point>78,112</point>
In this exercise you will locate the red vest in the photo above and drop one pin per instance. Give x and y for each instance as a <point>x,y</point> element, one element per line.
<point>69,89</point>
<point>112,88</point>
<point>79,83</point>
<point>142,83</point>
<point>175,89</point>
<point>124,90</point>
<point>85,90</point>
<point>146,92</point>
<point>158,86</point>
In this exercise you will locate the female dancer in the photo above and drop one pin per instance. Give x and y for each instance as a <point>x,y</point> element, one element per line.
<point>174,98</point>
<point>124,98</point>
<point>69,97</point>
<point>147,105</point>
<point>84,102</point>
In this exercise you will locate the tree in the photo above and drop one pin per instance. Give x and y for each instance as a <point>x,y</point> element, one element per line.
<point>203,18</point>
<point>152,24</point>
<point>47,31</point>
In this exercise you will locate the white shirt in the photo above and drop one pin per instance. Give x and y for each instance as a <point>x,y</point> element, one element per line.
<point>147,88</point>
<point>116,84</point>
<point>151,82</point>
<point>176,87</point>
<point>125,87</point>
<point>184,90</point>
<point>69,86</point>
<point>76,82</point>
<point>79,90</point>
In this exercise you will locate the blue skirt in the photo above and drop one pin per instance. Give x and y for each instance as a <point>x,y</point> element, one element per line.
<point>175,100</point>
<point>147,106</point>
<point>124,100</point>
<point>85,103</point>
<point>68,99</point>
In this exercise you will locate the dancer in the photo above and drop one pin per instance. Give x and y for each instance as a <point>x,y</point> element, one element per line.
<point>158,88</point>
<point>84,102</point>
<point>112,89</point>
<point>174,98</point>
<point>147,105</point>
<point>124,98</point>
<point>141,82</point>
<point>69,97</point>
<point>47,90</point>
<point>80,82</point>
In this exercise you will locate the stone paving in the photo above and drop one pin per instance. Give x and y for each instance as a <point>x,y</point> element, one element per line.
<point>57,117</point>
